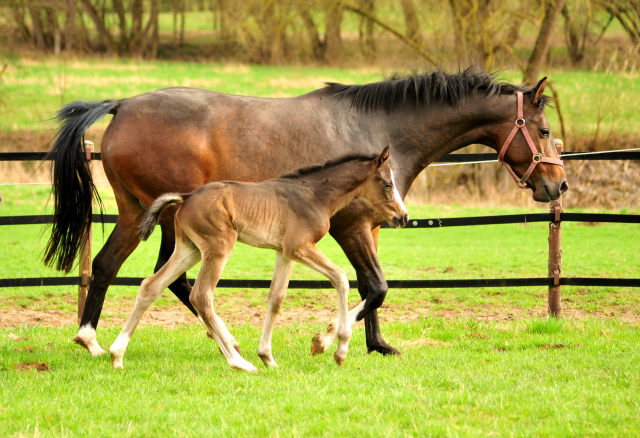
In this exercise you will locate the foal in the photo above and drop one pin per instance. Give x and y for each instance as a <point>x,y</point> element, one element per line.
<point>289,214</point>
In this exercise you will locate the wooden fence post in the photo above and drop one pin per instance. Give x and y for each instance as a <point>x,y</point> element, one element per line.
<point>555,252</point>
<point>85,252</point>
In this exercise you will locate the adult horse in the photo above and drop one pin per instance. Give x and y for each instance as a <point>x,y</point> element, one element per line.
<point>177,139</point>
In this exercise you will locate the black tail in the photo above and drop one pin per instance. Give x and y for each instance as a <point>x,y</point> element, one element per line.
<point>152,215</point>
<point>73,187</point>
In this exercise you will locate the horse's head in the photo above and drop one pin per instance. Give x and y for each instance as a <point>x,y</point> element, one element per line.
<point>541,171</point>
<point>380,190</point>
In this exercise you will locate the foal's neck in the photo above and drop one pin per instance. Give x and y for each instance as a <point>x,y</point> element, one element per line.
<point>336,187</point>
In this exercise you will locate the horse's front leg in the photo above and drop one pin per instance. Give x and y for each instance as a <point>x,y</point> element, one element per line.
<point>277,294</point>
<point>359,244</point>
<point>311,256</point>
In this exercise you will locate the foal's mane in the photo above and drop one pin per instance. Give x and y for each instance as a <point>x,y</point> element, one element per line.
<point>315,168</point>
<point>423,88</point>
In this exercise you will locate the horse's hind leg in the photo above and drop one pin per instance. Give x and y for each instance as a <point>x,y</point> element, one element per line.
<point>277,294</point>
<point>120,244</point>
<point>185,256</point>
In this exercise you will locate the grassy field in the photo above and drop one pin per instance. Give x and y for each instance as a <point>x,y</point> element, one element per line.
<point>32,90</point>
<point>476,361</point>
<point>456,378</point>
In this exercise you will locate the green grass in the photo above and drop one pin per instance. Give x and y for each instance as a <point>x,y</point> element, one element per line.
<point>32,90</point>
<point>456,378</point>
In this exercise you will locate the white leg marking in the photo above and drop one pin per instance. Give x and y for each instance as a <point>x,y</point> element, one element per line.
<point>87,338</point>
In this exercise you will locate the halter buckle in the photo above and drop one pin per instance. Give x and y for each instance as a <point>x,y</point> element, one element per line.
<point>521,122</point>
<point>537,157</point>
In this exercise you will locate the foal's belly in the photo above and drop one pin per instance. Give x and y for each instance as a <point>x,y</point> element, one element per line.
<point>260,238</point>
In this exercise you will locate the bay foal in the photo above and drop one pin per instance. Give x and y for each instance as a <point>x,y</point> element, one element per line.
<point>289,214</point>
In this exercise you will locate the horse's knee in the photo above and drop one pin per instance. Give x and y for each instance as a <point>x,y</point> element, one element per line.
<point>376,293</point>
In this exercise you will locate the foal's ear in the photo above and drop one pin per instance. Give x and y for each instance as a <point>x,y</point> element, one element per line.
<point>384,157</point>
<point>538,91</point>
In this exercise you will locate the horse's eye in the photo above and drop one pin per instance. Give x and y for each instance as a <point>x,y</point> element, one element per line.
<point>544,132</point>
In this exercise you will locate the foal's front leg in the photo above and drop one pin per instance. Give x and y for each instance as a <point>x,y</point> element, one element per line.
<point>277,294</point>
<point>313,258</point>
<point>320,343</point>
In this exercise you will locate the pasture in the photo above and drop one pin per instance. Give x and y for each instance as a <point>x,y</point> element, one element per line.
<point>476,361</point>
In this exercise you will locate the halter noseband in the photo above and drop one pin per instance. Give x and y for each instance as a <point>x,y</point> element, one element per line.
<point>537,156</point>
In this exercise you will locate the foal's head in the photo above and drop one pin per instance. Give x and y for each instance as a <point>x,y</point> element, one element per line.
<point>380,190</point>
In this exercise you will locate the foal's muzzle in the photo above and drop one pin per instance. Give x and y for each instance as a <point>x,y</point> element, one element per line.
<point>399,221</point>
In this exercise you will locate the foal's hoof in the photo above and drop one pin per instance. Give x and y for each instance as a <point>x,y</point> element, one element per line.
<point>318,346</point>
<point>243,365</point>
<point>339,359</point>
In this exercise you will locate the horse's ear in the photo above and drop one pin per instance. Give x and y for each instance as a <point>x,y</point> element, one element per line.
<point>384,157</point>
<point>538,91</point>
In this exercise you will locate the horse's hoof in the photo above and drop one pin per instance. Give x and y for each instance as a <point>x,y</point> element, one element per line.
<point>317,345</point>
<point>339,359</point>
<point>385,350</point>
<point>91,345</point>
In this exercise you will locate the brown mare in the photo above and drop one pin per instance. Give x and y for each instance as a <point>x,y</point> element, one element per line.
<point>178,139</point>
<point>289,214</point>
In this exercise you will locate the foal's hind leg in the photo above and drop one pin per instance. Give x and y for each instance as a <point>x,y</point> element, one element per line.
<point>184,257</point>
<point>202,295</point>
<point>277,294</point>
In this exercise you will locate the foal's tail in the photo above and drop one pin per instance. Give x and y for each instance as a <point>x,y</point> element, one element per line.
<point>73,187</point>
<point>152,215</point>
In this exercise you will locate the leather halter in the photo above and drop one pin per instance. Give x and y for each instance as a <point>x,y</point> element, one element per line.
<point>537,156</point>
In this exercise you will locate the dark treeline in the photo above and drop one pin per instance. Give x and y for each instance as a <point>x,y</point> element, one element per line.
<point>489,32</point>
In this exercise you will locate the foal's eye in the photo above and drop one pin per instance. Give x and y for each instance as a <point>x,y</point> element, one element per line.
<point>388,186</point>
<point>544,132</point>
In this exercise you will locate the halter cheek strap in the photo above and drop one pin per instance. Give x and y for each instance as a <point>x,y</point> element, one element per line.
<point>537,156</point>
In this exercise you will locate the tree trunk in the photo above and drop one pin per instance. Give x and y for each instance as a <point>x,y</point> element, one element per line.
<point>333,38</point>
<point>318,46</point>
<point>56,37</point>
<point>123,45</point>
<point>183,11</point>
<point>411,22</point>
<point>552,9</point>
<point>367,43</point>
<point>38,31</point>
<point>135,40</point>
<point>459,28</point>
<point>100,26</point>
<point>574,48</point>
<point>70,25</point>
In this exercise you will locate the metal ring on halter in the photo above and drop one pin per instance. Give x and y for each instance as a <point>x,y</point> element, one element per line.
<point>524,122</point>
<point>537,158</point>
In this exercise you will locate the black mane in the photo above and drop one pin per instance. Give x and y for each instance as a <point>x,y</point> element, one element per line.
<point>424,88</point>
<point>315,168</point>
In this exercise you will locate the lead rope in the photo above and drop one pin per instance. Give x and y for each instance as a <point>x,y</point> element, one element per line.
<point>520,125</point>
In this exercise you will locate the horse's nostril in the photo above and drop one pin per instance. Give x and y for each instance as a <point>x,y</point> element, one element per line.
<point>564,187</point>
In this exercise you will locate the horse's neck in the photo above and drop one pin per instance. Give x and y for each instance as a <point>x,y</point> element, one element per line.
<point>421,135</point>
